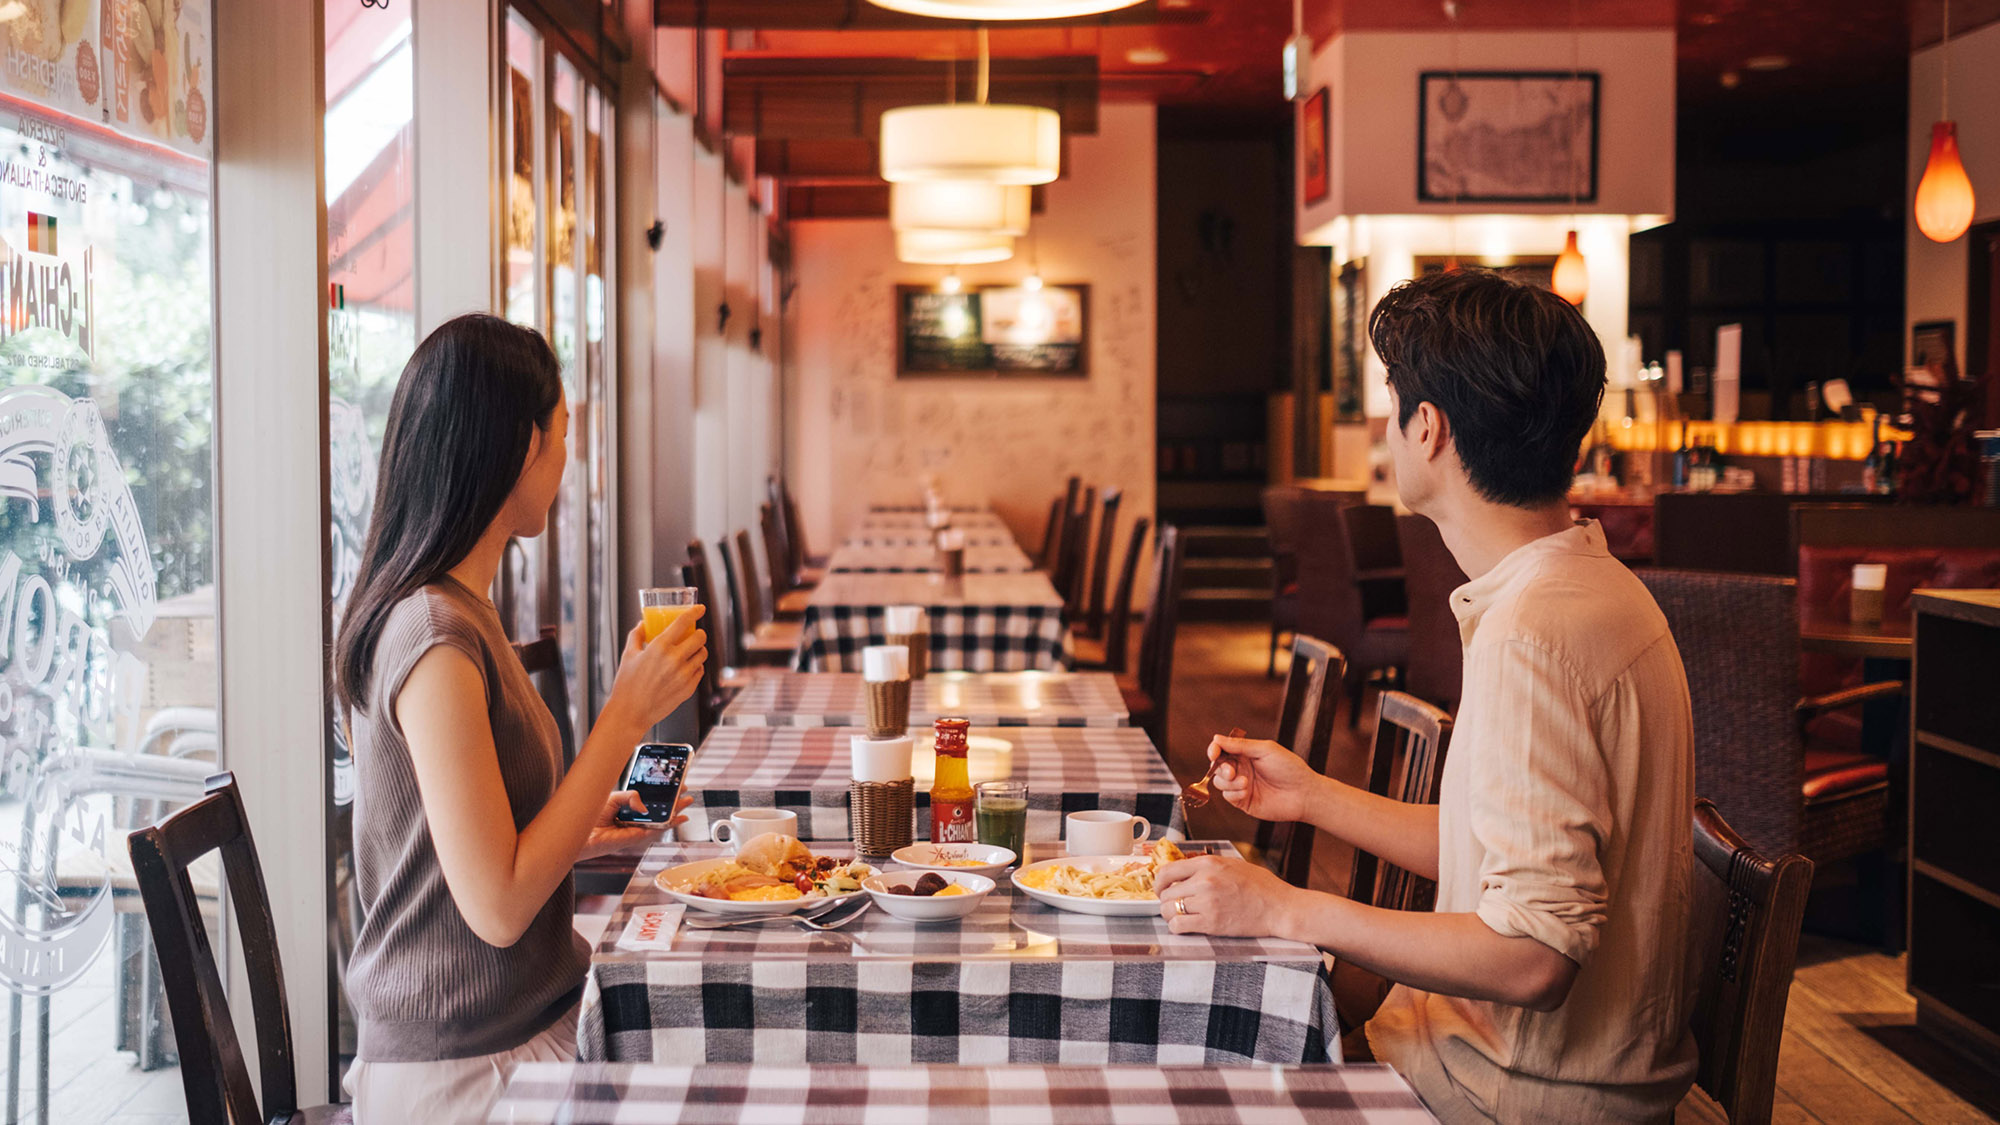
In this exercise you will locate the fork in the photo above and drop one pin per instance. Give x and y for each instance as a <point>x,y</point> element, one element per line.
<point>1197,795</point>
<point>809,921</point>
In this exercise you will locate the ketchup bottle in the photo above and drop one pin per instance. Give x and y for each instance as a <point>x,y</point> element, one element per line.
<point>951,792</point>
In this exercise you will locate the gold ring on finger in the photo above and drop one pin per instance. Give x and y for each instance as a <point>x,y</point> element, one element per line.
<point>1180,906</point>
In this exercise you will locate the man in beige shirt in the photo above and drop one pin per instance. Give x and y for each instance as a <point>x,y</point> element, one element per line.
<point>1549,984</point>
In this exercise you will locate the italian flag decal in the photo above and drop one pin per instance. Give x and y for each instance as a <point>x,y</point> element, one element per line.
<point>41,233</point>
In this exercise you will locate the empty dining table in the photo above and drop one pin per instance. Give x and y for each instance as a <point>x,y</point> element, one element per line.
<point>1014,981</point>
<point>989,699</point>
<point>806,770</point>
<point>979,622</point>
<point>867,1094</point>
<point>922,558</point>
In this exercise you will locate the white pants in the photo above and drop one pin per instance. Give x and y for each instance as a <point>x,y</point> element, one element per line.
<point>450,1090</point>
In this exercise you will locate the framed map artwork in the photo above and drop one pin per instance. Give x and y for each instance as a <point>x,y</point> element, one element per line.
<point>1507,137</point>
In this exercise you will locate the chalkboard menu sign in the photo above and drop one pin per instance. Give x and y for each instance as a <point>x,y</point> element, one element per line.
<point>993,330</point>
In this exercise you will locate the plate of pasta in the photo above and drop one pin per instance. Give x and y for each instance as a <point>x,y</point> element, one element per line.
<point>1114,886</point>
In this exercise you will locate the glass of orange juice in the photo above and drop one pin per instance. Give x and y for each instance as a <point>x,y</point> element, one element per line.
<point>661,606</point>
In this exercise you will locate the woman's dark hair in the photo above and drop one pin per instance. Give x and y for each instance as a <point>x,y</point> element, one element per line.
<point>1516,369</point>
<point>470,398</point>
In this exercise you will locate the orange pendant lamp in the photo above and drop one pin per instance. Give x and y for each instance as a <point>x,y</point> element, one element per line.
<point>1944,195</point>
<point>1571,280</point>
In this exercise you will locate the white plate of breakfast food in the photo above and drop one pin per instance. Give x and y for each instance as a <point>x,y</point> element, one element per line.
<point>927,896</point>
<point>1113,886</point>
<point>979,859</point>
<point>771,874</point>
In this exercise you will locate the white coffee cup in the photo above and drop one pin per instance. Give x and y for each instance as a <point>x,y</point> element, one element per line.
<point>1105,832</point>
<point>748,824</point>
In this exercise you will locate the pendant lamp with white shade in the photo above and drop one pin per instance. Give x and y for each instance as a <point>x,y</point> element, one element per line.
<point>997,144</point>
<point>964,205</point>
<point>1004,9</point>
<point>952,248</point>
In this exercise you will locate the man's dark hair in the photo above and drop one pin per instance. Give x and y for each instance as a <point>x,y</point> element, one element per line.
<point>1516,369</point>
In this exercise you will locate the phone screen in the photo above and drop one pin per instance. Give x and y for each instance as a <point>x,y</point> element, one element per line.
<point>656,774</point>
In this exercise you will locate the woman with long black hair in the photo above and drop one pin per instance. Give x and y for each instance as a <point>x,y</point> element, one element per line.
<point>466,825</point>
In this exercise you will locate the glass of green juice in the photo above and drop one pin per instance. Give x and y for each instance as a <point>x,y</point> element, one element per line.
<point>1000,815</point>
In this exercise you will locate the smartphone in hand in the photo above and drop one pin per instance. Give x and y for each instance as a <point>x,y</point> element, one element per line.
<point>657,772</point>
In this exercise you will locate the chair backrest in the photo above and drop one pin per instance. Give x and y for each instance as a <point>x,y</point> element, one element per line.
<point>1305,725</point>
<point>752,592</point>
<point>698,576</point>
<point>1045,555</point>
<point>1330,603</point>
<point>788,533</point>
<point>1156,641</point>
<point>1118,626</point>
<point>542,657</point>
<point>214,1073</point>
<point>1744,940</point>
<point>775,552</point>
<point>795,532</point>
<point>1107,530</point>
<point>1068,576</point>
<point>1738,636</point>
<point>1435,671</point>
<point>1377,557</point>
<point>1405,764</point>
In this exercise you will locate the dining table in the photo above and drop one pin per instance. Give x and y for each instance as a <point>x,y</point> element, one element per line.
<point>871,1093</point>
<point>1838,635</point>
<point>922,558</point>
<point>978,622</point>
<point>1016,981</point>
<point>779,698</point>
<point>806,770</point>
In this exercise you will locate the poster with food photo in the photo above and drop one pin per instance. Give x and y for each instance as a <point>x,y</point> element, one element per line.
<point>140,67</point>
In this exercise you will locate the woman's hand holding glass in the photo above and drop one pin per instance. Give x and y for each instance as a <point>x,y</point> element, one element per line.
<point>1262,778</point>
<point>657,676</point>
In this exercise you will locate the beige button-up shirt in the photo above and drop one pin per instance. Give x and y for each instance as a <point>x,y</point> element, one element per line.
<point>1564,815</point>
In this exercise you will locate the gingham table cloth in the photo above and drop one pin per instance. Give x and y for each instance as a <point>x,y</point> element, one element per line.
<point>920,558</point>
<point>913,519</point>
<point>989,699</point>
<point>915,537</point>
<point>806,770</point>
<point>1016,982</point>
<point>979,623</point>
<point>608,1093</point>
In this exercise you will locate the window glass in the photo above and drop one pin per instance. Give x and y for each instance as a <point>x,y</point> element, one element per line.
<point>108,671</point>
<point>371,255</point>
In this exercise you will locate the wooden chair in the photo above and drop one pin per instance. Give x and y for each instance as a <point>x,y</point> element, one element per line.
<point>1107,530</point>
<point>788,602</point>
<point>214,1073</point>
<point>1282,513</point>
<point>1146,695</point>
<point>1045,555</point>
<point>712,696</point>
<point>542,658</point>
<point>1068,574</point>
<point>1405,763</point>
<point>1746,914</point>
<point>1334,604</point>
<point>1305,725</point>
<point>1434,672</point>
<point>1110,652</point>
<point>754,641</point>
<point>804,564</point>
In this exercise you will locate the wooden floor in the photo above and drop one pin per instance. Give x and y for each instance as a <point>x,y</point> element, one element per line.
<point>1851,1051</point>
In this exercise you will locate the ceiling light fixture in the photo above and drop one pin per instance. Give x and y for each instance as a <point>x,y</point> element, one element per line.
<point>1944,195</point>
<point>1004,9</point>
<point>963,205</point>
<point>999,144</point>
<point>1571,278</point>
<point>952,248</point>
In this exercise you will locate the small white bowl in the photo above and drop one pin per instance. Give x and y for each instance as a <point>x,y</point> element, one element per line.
<point>927,908</point>
<point>992,858</point>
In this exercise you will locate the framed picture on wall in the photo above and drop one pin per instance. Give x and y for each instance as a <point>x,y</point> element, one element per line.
<point>1313,145</point>
<point>1933,341</point>
<point>993,330</point>
<point>1512,136</point>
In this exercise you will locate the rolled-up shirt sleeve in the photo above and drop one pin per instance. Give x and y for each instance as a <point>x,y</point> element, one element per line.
<point>1540,804</point>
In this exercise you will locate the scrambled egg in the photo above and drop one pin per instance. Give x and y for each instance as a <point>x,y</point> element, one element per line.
<point>954,889</point>
<point>781,893</point>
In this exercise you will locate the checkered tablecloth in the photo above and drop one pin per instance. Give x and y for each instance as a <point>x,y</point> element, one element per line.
<point>613,1094</point>
<point>806,770</point>
<point>1015,982</point>
<point>919,558</point>
<point>916,520</point>
<point>979,623</point>
<point>989,699</point>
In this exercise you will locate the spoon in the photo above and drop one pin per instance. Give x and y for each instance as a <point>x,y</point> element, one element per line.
<point>1198,794</point>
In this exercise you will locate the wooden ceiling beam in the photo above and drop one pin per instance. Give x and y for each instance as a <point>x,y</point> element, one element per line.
<point>860,15</point>
<point>835,99</point>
